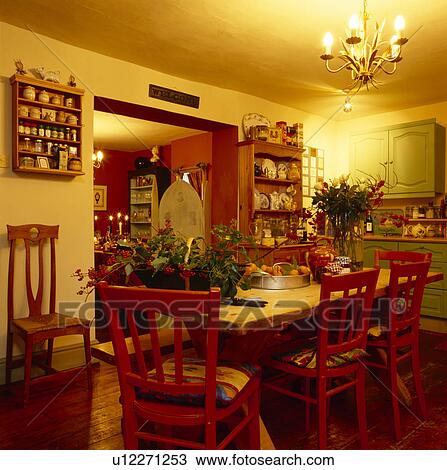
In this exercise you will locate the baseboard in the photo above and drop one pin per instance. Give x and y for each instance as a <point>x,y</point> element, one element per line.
<point>65,357</point>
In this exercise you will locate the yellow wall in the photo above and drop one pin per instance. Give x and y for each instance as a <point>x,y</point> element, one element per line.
<point>51,200</point>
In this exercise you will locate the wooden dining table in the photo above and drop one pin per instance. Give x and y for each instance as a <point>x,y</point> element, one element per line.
<point>246,330</point>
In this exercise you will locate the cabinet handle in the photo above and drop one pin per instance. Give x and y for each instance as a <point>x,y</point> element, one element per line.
<point>391,162</point>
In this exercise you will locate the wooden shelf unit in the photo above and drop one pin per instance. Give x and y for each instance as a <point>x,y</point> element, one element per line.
<point>255,150</point>
<point>18,83</point>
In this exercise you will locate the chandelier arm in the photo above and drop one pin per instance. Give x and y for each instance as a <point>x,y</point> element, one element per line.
<point>387,71</point>
<point>346,64</point>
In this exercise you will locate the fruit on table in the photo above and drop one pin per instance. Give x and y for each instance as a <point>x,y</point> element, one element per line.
<point>251,268</point>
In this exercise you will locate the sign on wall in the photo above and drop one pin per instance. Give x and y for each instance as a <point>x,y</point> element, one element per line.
<point>173,96</point>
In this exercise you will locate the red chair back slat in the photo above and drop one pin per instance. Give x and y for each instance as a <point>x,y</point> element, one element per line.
<point>406,299</point>
<point>33,236</point>
<point>190,308</point>
<point>343,318</point>
<point>400,257</point>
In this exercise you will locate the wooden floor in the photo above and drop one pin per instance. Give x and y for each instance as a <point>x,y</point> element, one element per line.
<point>70,419</point>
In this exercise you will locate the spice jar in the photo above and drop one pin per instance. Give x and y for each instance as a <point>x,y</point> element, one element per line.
<point>34,113</point>
<point>38,147</point>
<point>73,133</point>
<point>21,127</point>
<point>48,131</point>
<point>294,172</point>
<point>26,144</point>
<point>60,133</point>
<point>26,128</point>
<point>34,129</point>
<point>69,102</point>
<point>41,130</point>
<point>54,133</point>
<point>55,99</point>
<point>29,93</point>
<point>44,97</point>
<point>49,145</point>
<point>67,133</point>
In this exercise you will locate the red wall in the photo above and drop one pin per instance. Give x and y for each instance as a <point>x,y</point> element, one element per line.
<point>113,173</point>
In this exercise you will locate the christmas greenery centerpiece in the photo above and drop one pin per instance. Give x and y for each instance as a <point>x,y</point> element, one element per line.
<point>345,206</point>
<point>170,261</point>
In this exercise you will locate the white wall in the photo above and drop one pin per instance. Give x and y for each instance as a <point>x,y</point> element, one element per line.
<point>68,202</point>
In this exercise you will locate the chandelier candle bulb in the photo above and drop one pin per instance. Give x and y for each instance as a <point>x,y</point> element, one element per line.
<point>328,40</point>
<point>354,25</point>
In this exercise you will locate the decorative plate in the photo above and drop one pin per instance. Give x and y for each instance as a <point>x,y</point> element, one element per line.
<point>265,201</point>
<point>285,201</point>
<point>257,199</point>
<point>254,119</point>
<point>268,168</point>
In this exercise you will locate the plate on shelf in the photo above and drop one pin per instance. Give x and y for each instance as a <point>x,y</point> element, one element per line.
<point>268,168</point>
<point>265,201</point>
<point>285,201</point>
<point>254,119</point>
<point>257,200</point>
<point>282,169</point>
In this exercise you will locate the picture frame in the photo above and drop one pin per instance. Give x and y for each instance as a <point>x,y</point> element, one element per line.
<point>42,162</point>
<point>99,198</point>
<point>275,135</point>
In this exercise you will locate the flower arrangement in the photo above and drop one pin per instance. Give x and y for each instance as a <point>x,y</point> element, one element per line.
<point>345,205</point>
<point>169,256</point>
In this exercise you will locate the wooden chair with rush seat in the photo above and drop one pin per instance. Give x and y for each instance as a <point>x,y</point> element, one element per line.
<point>184,390</point>
<point>399,338</point>
<point>39,325</point>
<point>342,325</point>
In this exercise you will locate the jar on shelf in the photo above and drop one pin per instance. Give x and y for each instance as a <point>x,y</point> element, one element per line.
<point>26,128</point>
<point>23,110</point>
<point>26,146</point>
<point>54,133</point>
<point>41,130</point>
<point>56,99</point>
<point>73,135</point>
<point>38,147</point>
<point>61,116</point>
<point>69,102</point>
<point>29,93</point>
<point>75,164</point>
<point>294,172</point>
<point>43,97</point>
<point>21,128</point>
<point>67,133</point>
<point>49,145</point>
<point>47,131</point>
<point>60,133</point>
<point>34,113</point>
<point>26,162</point>
<point>71,119</point>
<point>34,130</point>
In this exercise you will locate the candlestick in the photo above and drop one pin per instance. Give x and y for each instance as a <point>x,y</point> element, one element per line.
<point>120,227</point>
<point>110,224</point>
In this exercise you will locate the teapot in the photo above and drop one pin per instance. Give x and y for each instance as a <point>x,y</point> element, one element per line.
<point>321,253</point>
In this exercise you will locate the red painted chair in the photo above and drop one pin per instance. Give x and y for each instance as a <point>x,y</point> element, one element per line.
<point>181,391</point>
<point>39,325</point>
<point>400,339</point>
<point>400,257</point>
<point>342,325</point>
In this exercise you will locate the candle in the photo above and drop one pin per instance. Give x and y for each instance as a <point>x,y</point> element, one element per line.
<point>354,25</point>
<point>328,40</point>
<point>110,224</point>
<point>94,223</point>
<point>118,216</point>
<point>126,219</point>
<point>120,225</point>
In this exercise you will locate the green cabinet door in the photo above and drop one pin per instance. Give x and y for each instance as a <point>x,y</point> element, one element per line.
<point>369,249</point>
<point>412,160</point>
<point>369,155</point>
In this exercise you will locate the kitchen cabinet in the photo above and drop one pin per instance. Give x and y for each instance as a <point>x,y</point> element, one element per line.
<point>410,157</point>
<point>256,151</point>
<point>145,190</point>
<point>434,303</point>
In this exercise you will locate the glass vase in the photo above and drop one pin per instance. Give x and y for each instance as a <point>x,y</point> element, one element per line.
<point>348,241</point>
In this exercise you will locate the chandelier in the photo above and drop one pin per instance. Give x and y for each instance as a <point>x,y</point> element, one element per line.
<point>365,54</point>
<point>97,158</point>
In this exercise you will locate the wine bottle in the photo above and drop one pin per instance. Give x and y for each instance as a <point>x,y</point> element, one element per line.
<point>369,223</point>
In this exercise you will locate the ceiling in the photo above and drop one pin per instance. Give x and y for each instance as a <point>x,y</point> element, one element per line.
<point>115,132</point>
<point>262,47</point>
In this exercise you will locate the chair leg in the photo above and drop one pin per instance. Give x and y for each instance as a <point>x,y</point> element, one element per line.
<point>254,435</point>
<point>307,404</point>
<point>50,352</point>
<point>27,369</point>
<point>129,428</point>
<point>361,407</point>
<point>417,378</point>
<point>210,435</point>
<point>8,364</point>
<point>88,358</point>
<point>322,412</point>
<point>392,371</point>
